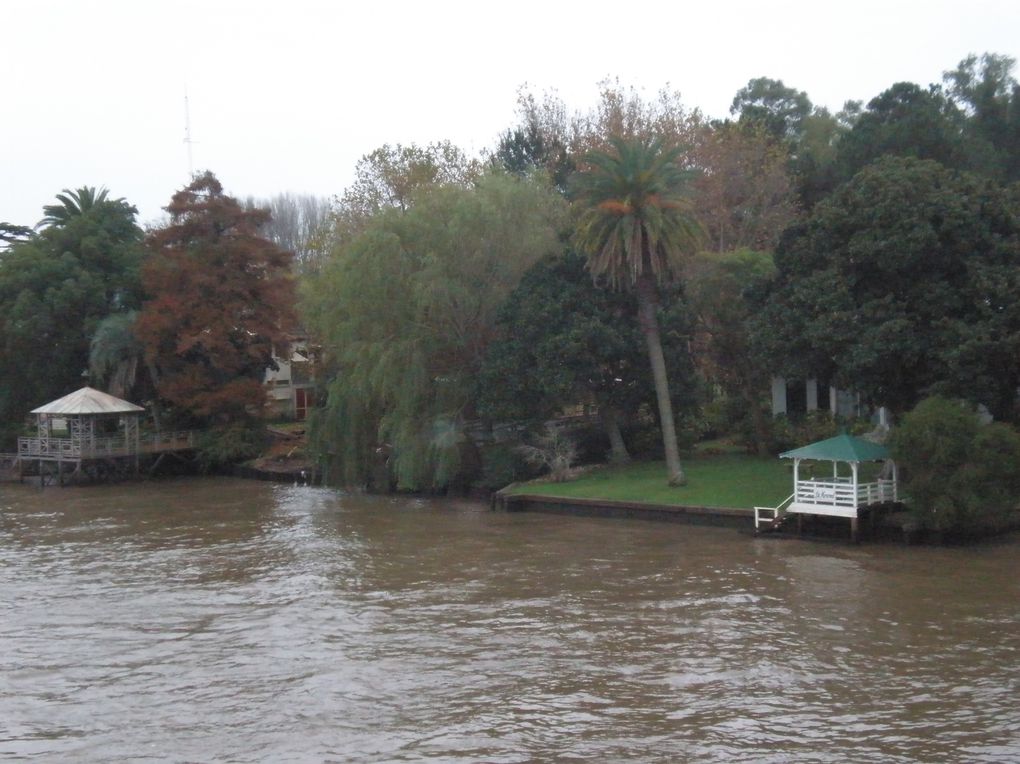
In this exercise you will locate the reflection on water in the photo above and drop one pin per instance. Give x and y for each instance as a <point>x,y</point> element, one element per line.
<point>222,620</point>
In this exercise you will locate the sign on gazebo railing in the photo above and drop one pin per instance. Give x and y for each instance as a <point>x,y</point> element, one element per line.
<point>841,492</point>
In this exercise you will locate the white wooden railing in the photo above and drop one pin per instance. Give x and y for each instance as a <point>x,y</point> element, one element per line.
<point>840,492</point>
<point>69,449</point>
<point>767,516</point>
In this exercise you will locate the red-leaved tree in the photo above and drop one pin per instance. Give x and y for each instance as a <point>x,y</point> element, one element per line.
<point>219,297</point>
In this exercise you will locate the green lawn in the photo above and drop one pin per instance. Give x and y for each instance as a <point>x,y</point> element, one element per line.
<point>712,481</point>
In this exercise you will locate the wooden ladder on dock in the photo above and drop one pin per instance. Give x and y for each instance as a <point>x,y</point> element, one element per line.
<point>770,518</point>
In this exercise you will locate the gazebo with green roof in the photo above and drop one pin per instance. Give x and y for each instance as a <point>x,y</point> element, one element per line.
<point>841,495</point>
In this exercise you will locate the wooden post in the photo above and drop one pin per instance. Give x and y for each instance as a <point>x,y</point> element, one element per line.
<point>854,528</point>
<point>800,523</point>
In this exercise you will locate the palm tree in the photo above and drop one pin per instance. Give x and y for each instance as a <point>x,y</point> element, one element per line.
<point>634,224</point>
<point>73,204</point>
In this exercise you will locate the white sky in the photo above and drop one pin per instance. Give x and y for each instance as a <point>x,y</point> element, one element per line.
<point>287,95</point>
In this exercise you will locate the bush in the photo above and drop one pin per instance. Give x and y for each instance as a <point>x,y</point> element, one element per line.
<point>554,451</point>
<point>962,477</point>
<point>231,443</point>
<point>502,464</point>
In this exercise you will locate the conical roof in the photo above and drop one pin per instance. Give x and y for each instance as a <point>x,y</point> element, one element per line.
<point>88,401</point>
<point>842,448</point>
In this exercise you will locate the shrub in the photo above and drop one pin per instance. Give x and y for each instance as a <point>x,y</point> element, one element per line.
<point>554,451</point>
<point>503,464</point>
<point>231,443</point>
<point>961,476</point>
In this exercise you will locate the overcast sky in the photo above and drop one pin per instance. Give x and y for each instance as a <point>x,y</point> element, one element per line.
<point>287,95</point>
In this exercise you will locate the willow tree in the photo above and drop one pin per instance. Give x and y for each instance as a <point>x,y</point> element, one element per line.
<point>634,225</point>
<point>405,311</point>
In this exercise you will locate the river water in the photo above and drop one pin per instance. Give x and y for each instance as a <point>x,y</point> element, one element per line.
<point>225,620</point>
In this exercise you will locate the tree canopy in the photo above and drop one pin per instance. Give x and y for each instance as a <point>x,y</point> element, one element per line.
<point>634,224</point>
<point>902,283</point>
<point>55,288</point>
<point>219,297</point>
<point>405,311</point>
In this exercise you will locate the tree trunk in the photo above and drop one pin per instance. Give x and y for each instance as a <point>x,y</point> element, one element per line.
<point>650,327</point>
<point>618,449</point>
<point>759,422</point>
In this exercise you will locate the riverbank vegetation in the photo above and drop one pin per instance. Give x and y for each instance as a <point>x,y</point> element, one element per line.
<point>634,273</point>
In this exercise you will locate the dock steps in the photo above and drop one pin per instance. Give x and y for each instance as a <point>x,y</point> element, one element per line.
<point>768,519</point>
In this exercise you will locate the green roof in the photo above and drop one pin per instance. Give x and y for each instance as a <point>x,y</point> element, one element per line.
<point>842,448</point>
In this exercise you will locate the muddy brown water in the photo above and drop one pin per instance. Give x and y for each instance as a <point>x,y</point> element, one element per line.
<point>226,620</point>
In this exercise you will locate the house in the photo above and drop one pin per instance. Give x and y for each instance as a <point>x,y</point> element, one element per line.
<point>803,396</point>
<point>290,386</point>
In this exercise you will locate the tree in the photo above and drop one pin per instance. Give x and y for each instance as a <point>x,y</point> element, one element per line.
<point>405,311</point>
<point>561,341</point>
<point>908,121</point>
<point>745,196</point>
<point>768,103</point>
<point>903,283</point>
<point>391,177</point>
<point>219,297</point>
<point>55,288</point>
<point>985,89</point>
<point>74,204</point>
<point>961,476</point>
<point>13,234</point>
<point>722,291</point>
<point>298,223</point>
<point>634,224</point>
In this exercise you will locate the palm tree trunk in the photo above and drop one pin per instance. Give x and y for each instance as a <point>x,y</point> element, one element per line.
<point>650,327</point>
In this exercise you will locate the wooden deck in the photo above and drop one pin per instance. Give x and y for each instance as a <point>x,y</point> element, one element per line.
<point>837,497</point>
<point>68,450</point>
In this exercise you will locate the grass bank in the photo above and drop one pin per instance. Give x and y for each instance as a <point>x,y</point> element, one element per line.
<point>712,481</point>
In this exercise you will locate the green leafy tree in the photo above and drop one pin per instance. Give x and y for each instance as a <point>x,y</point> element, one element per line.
<point>634,224</point>
<point>908,121</point>
<point>809,134</point>
<point>723,289</point>
<point>562,341</point>
<point>55,288</point>
<point>219,297</point>
<point>985,89</point>
<point>903,283</point>
<point>405,311</point>
<point>768,103</point>
<point>960,475</point>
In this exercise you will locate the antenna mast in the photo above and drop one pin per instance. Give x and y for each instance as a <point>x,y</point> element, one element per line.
<point>187,134</point>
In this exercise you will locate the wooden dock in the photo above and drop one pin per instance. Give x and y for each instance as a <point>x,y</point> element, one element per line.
<point>56,460</point>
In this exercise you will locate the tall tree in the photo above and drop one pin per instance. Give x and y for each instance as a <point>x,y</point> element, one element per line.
<point>298,223</point>
<point>55,288</point>
<point>561,341</point>
<point>745,195</point>
<point>985,89</point>
<point>903,283</point>
<point>219,296</point>
<point>908,121</point>
<point>778,108</point>
<point>74,204</point>
<point>723,289</point>
<point>405,311</point>
<point>634,223</point>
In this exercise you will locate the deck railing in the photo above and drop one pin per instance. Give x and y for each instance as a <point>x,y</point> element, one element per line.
<point>840,492</point>
<point>67,449</point>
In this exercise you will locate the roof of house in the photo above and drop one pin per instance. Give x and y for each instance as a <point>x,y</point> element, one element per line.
<point>88,401</point>
<point>842,448</point>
